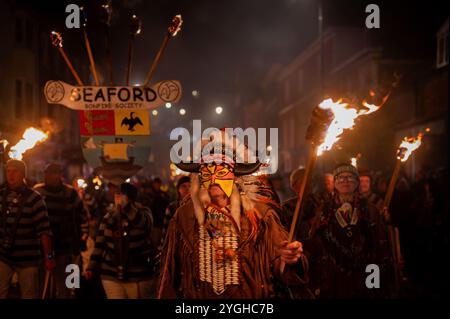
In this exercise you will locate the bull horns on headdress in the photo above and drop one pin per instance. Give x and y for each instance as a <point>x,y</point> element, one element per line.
<point>239,168</point>
<point>229,154</point>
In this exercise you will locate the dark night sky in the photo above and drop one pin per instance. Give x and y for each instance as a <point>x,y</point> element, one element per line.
<point>222,41</point>
<point>219,42</point>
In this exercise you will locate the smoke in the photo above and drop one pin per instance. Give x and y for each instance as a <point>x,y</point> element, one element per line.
<point>50,125</point>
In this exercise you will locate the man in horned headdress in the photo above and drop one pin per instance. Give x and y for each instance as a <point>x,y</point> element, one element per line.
<point>227,241</point>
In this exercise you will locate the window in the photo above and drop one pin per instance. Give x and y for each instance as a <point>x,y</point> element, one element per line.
<point>291,136</point>
<point>442,51</point>
<point>287,90</point>
<point>29,99</point>
<point>45,51</point>
<point>29,34</point>
<point>19,30</point>
<point>19,99</point>
<point>442,46</point>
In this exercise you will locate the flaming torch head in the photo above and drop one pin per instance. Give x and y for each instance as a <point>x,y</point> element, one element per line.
<point>106,12</point>
<point>175,26</point>
<point>343,118</point>
<point>81,183</point>
<point>3,144</point>
<point>135,25</point>
<point>354,162</point>
<point>408,146</point>
<point>56,39</point>
<point>320,120</point>
<point>30,138</point>
<point>83,17</point>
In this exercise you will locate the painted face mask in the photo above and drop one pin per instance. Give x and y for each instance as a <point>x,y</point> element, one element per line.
<point>221,175</point>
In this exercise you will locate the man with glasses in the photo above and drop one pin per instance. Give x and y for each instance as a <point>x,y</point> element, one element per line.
<point>346,236</point>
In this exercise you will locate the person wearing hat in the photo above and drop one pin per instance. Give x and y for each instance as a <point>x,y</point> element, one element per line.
<point>346,236</point>
<point>68,222</point>
<point>123,248</point>
<point>227,240</point>
<point>24,230</point>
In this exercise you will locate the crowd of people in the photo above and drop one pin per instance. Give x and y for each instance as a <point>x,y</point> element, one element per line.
<point>419,210</point>
<point>136,240</point>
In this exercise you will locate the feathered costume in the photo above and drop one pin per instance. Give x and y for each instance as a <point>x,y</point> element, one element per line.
<point>230,252</point>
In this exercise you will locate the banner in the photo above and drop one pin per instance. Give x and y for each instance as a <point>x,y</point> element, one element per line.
<point>91,98</point>
<point>116,157</point>
<point>134,122</point>
<point>119,122</point>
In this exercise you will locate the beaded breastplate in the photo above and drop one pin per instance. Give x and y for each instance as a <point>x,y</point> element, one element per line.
<point>218,244</point>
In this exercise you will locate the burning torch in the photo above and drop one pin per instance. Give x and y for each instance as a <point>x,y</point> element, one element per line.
<point>88,46</point>
<point>30,138</point>
<point>57,42</point>
<point>328,122</point>
<point>105,18</point>
<point>172,30</point>
<point>3,145</point>
<point>404,151</point>
<point>135,29</point>
<point>354,160</point>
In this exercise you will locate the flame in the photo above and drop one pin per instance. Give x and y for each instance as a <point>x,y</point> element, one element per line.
<point>344,118</point>
<point>3,144</point>
<point>30,138</point>
<point>408,146</point>
<point>354,162</point>
<point>175,25</point>
<point>81,183</point>
<point>97,181</point>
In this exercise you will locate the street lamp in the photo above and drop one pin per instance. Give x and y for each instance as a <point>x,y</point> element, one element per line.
<point>219,110</point>
<point>168,105</point>
<point>155,112</point>
<point>182,111</point>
